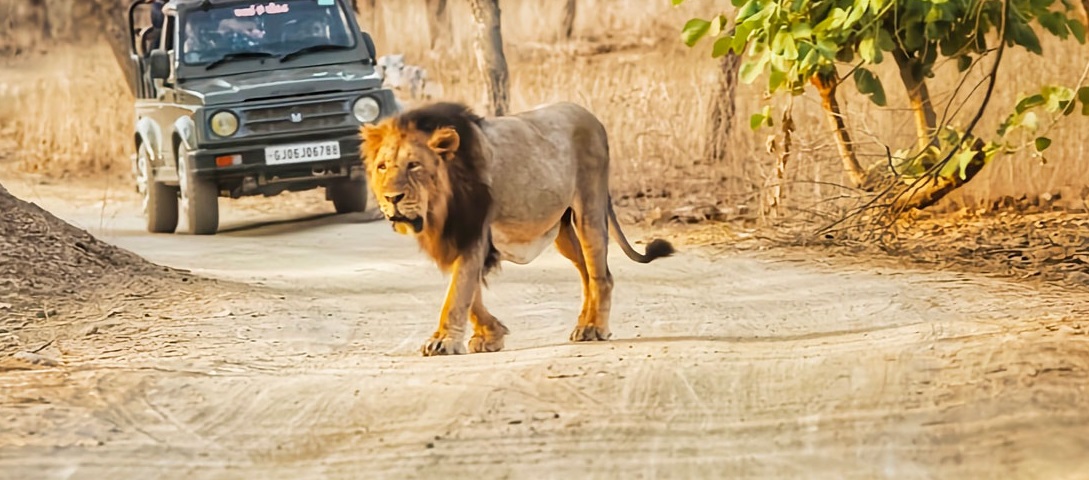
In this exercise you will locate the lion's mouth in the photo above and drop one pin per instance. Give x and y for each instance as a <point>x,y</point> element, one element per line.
<point>417,223</point>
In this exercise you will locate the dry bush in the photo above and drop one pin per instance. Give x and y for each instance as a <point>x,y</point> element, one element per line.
<point>69,114</point>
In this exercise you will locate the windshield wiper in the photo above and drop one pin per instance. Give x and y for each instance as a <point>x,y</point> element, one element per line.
<point>311,49</point>
<point>236,55</point>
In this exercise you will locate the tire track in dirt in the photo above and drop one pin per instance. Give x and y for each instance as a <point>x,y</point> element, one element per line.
<point>724,365</point>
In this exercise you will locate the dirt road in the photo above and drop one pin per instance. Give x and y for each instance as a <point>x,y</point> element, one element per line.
<point>722,366</point>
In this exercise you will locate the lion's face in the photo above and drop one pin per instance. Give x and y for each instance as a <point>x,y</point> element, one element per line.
<point>407,174</point>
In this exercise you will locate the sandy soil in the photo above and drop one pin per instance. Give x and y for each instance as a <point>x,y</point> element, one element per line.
<point>302,361</point>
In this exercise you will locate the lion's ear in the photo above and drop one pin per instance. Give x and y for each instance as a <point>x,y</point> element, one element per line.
<point>372,136</point>
<point>444,142</point>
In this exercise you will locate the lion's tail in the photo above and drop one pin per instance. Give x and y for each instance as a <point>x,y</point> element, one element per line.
<point>655,249</point>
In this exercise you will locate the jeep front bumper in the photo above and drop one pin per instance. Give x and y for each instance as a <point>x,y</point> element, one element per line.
<point>254,175</point>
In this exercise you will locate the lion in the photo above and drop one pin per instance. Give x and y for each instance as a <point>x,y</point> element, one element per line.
<point>476,191</point>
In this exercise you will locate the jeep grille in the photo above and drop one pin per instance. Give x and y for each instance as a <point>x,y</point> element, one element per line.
<point>307,116</point>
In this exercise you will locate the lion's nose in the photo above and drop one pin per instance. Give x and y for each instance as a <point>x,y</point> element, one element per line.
<point>395,198</point>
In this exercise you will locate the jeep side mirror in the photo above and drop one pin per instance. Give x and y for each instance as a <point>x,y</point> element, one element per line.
<point>369,43</point>
<point>159,65</point>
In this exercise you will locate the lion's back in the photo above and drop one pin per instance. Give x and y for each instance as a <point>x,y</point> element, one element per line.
<point>538,157</point>
<point>553,132</point>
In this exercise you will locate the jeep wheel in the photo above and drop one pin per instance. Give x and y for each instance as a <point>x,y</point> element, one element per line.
<point>160,202</point>
<point>199,198</point>
<point>348,196</point>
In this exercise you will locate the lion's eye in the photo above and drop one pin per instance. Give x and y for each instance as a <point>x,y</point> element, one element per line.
<point>381,167</point>
<point>413,166</point>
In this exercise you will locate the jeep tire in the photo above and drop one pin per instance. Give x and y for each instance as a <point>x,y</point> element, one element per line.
<point>348,196</point>
<point>160,201</point>
<point>199,197</point>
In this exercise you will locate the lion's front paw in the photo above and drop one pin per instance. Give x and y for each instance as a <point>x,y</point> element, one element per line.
<point>442,346</point>
<point>590,333</point>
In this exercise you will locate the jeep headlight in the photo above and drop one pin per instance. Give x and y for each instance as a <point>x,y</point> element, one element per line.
<point>224,123</point>
<point>366,109</point>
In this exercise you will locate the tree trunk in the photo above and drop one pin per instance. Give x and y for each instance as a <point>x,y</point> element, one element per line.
<point>721,111</point>
<point>114,18</point>
<point>775,197</point>
<point>919,96</point>
<point>41,11</point>
<point>826,85</point>
<point>489,55</point>
<point>438,23</point>
<point>569,18</point>
<point>369,11</point>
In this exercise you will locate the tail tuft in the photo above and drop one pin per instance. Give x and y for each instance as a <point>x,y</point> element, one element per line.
<point>659,248</point>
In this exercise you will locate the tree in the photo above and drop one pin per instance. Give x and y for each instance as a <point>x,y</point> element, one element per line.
<point>114,15</point>
<point>722,110</point>
<point>804,43</point>
<point>569,18</point>
<point>41,10</point>
<point>489,55</point>
<point>438,22</point>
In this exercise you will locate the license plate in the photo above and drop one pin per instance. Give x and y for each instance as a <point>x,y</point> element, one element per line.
<point>302,152</point>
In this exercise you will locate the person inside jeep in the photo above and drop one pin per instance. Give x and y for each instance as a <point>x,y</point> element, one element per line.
<point>239,33</point>
<point>276,29</point>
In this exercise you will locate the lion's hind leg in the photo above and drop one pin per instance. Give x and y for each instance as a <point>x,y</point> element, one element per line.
<point>593,237</point>
<point>488,331</point>
<point>567,243</point>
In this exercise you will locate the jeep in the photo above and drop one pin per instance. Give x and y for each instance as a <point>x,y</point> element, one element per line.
<point>238,98</point>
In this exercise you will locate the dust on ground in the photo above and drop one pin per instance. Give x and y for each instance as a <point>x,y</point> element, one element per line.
<point>783,364</point>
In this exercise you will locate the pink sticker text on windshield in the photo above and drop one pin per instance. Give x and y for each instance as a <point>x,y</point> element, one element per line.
<point>270,8</point>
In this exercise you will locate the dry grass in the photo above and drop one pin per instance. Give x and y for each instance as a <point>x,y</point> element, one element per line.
<point>70,115</point>
<point>650,91</point>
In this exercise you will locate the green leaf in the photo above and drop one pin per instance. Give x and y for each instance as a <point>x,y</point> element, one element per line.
<point>753,68</point>
<point>746,9</point>
<point>1023,35</point>
<point>801,30</point>
<point>1077,29</point>
<point>950,167</point>
<point>963,159</point>
<point>856,13</point>
<point>721,46</point>
<point>827,49</point>
<point>833,21</point>
<point>869,85</point>
<point>693,30</point>
<point>677,2</point>
<point>1042,143</point>
<point>885,41</point>
<point>762,118</point>
<point>776,79</point>
<point>1055,23</point>
<point>790,50</point>
<point>1083,95</point>
<point>1030,102</point>
<point>756,120</point>
<point>715,27</point>
<point>964,62</point>
<point>741,37</point>
<point>867,49</point>
<point>1057,97</point>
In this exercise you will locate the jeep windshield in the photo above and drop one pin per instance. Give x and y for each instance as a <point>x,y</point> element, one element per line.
<point>234,31</point>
